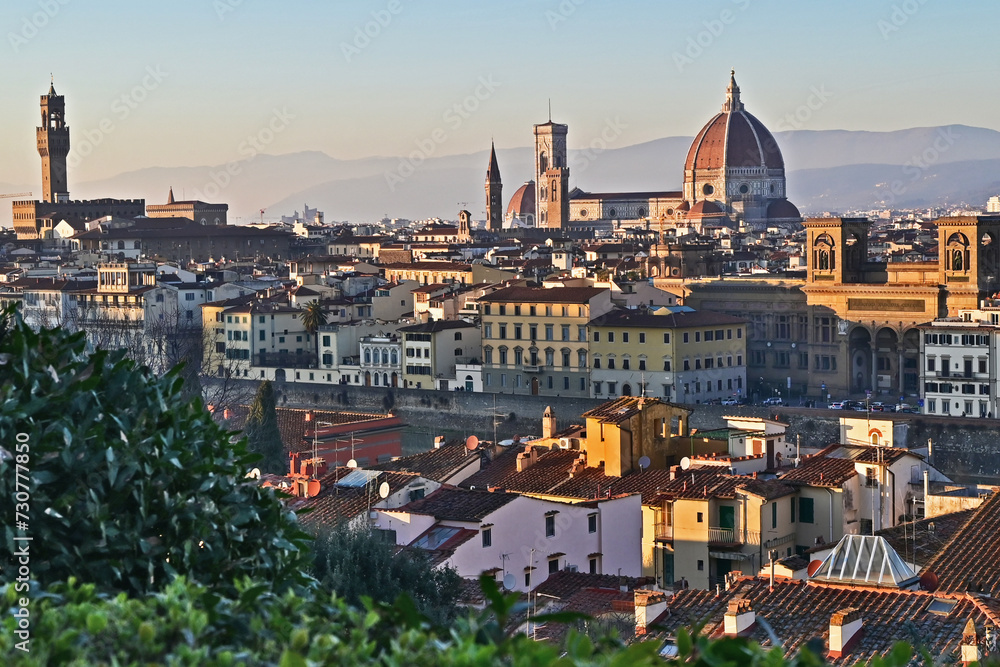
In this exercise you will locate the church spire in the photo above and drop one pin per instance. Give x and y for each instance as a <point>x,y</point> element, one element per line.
<point>494,193</point>
<point>493,172</point>
<point>52,85</point>
<point>170,195</point>
<point>733,102</point>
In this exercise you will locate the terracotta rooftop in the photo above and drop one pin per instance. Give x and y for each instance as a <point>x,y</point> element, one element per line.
<point>970,561</point>
<point>335,504</point>
<point>450,504</point>
<point>292,422</point>
<point>624,408</point>
<point>521,294</point>
<point>438,464</point>
<point>800,614</point>
<point>821,470</point>
<point>647,320</point>
<point>550,475</point>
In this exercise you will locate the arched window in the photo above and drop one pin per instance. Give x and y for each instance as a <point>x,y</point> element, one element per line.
<point>518,356</point>
<point>377,379</point>
<point>488,355</point>
<point>503,355</point>
<point>368,356</point>
<point>385,357</point>
<point>395,357</point>
<point>458,335</point>
<point>121,245</point>
<point>385,379</point>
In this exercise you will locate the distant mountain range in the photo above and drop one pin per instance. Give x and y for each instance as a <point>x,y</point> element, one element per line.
<point>828,170</point>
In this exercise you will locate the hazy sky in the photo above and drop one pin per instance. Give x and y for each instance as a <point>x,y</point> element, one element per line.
<point>187,82</point>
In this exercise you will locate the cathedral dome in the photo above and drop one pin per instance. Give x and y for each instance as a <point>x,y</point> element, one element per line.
<point>782,209</point>
<point>733,138</point>
<point>522,204</point>
<point>705,209</point>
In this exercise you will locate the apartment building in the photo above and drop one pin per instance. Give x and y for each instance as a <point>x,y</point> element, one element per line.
<point>688,357</point>
<point>501,534</point>
<point>432,352</point>
<point>535,339</point>
<point>959,360</point>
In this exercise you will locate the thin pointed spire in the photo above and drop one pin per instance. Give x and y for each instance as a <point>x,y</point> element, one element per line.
<point>170,196</point>
<point>493,172</point>
<point>52,84</point>
<point>550,109</point>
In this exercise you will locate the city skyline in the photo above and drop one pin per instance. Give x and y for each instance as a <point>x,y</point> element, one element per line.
<point>309,77</point>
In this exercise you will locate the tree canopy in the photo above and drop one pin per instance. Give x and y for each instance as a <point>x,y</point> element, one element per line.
<point>261,431</point>
<point>130,484</point>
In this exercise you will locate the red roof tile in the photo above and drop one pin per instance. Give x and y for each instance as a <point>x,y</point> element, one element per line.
<point>970,561</point>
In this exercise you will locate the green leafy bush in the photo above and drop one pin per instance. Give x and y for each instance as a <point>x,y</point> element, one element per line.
<point>129,483</point>
<point>354,563</point>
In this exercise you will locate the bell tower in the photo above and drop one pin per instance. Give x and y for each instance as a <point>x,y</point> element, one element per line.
<point>837,250</point>
<point>551,176</point>
<point>53,145</point>
<point>494,196</point>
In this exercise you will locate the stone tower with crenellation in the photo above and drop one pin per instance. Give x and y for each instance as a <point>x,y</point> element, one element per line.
<point>53,146</point>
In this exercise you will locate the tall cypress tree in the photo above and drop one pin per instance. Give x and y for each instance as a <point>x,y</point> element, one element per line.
<point>262,434</point>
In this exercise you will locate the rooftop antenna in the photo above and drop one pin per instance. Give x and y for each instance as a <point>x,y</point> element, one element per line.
<point>550,109</point>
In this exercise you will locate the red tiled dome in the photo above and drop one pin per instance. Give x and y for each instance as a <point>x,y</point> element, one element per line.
<point>522,204</point>
<point>782,209</point>
<point>734,138</point>
<point>705,209</point>
<point>685,206</point>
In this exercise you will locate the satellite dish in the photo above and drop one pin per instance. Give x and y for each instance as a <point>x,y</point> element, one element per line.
<point>644,462</point>
<point>509,581</point>
<point>471,443</point>
<point>352,464</point>
<point>254,474</point>
<point>383,490</point>
<point>929,581</point>
<point>685,463</point>
<point>814,566</point>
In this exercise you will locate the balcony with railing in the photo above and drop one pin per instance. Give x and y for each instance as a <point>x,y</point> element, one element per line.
<point>732,536</point>
<point>663,532</point>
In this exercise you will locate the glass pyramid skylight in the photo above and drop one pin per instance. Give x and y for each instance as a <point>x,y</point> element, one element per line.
<point>865,559</point>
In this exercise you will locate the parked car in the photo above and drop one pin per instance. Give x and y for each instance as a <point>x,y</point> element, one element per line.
<point>907,408</point>
<point>837,405</point>
<point>730,401</point>
<point>879,406</point>
<point>854,405</point>
<point>773,400</point>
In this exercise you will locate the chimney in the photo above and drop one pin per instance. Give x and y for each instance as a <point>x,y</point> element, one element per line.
<point>927,489</point>
<point>845,631</point>
<point>739,618</point>
<point>527,458</point>
<point>649,605</point>
<point>548,423</point>
<point>438,442</point>
<point>970,644</point>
